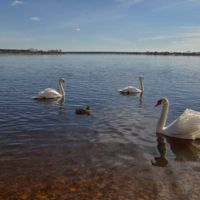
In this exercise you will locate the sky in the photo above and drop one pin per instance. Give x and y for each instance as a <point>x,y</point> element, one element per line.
<point>101,25</point>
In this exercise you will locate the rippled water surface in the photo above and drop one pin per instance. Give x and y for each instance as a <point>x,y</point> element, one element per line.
<point>49,152</point>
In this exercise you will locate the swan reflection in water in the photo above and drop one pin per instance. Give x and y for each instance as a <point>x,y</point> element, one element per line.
<point>184,150</point>
<point>48,102</point>
<point>62,108</point>
<point>51,102</point>
<point>141,95</point>
<point>134,95</point>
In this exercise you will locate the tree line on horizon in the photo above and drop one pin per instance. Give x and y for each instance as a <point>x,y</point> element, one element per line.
<point>56,51</point>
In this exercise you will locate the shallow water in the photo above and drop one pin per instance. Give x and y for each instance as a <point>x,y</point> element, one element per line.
<point>49,152</point>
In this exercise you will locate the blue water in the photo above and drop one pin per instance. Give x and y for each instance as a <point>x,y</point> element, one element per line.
<point>47,137</point>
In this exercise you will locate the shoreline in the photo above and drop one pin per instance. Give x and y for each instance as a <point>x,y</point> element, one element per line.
<point>142,53</point>
<point>32,53</point>
<point>56,52</point>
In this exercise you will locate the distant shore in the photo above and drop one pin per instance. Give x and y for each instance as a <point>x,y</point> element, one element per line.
<point>141,53</point>
<point>30,52</point>
<point>34,53</point>
<point>59,52</point>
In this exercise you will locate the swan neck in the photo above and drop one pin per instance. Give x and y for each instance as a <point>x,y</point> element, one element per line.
<point>163,118</point>
<point>141,85</point>
<point>61,88</point>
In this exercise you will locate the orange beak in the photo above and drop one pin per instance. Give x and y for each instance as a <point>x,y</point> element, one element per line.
<point>158,104</point>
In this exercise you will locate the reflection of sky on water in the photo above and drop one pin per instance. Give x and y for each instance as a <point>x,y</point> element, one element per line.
<point>127,123</point>
<point>119,136</point>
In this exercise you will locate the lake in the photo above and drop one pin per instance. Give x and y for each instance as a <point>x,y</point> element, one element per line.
<point>49,152</point>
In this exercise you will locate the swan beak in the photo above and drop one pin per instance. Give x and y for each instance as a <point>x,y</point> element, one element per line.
<point>64,82</point>
<point>158,104</point>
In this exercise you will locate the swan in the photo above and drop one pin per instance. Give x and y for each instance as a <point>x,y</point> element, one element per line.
<point>186,126</point>
<point>131,89</point>
<point>50,93</point>
<point>83,111</point>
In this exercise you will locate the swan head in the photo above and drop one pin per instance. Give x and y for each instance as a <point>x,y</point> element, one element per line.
<point>62,80</point>
<point>162,101</point>
<point>141,77</point>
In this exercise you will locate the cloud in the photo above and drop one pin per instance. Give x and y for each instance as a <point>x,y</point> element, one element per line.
<point>127,3</point>
<point>78,29</point>
<point>35,18</point>
<point>183,39</point>
<point>154,38</point>
<point>176,4</point>
<point>183,33</point>
<point>189,43</point>
<point>16,3</point>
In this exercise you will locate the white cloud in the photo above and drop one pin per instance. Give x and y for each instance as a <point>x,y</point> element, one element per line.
<point>189,43</point>
<point>16,3</point>
<point>154,38</point>
<point>183,33</point>
<point>127,3</point>
<point>34,18</point>
<point>183,39</point>
<point>176,4</point>
<point>78,29</point>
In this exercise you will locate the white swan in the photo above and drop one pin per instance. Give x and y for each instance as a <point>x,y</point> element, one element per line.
<point>50,93</point>
<point>187,126</point>
<point>131,89</point>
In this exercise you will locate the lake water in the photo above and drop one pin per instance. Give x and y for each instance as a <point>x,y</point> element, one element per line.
<point>49,152</point>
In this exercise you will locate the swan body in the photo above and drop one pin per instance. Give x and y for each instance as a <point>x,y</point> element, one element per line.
<point>186,126</point>
<point>84,111</point>
<point>50,93</point>
<point>131,89</point>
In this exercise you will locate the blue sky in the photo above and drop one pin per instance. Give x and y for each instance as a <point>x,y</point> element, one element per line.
<point>101,25</point>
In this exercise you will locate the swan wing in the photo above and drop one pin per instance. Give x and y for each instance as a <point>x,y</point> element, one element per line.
<point>48,93</point>
<point>130,89</point>
<point>187,126</point>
